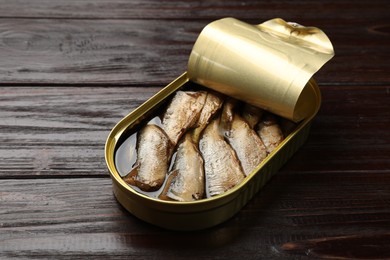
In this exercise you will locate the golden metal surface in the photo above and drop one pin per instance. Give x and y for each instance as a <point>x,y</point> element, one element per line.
<point>266,65</point>
<point>206,212</point>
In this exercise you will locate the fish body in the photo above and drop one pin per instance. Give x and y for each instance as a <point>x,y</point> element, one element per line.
<point>222,168</point>
<point>212,104</point>
<point>270,132</point>
<point>154,151</point>
<point>248,146</point>
<point>182,113</point>
<point>244,140</point>
<point>252,115</point>
<point>188,181</point>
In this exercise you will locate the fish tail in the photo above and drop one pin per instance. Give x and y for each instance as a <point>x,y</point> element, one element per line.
<point>130,177</point>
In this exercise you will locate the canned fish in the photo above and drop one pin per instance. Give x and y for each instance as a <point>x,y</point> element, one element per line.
<point>224,132</point>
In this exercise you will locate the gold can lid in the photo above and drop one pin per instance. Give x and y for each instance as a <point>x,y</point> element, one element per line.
<point>267,65</point>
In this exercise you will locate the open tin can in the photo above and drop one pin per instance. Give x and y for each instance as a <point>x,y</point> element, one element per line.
<point>269,66</point>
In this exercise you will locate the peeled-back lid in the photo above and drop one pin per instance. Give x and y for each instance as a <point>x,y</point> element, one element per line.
<point>267,65</point>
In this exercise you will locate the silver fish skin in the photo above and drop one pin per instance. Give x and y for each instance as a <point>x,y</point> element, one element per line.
<point>188,183</point>
<point>212,103</point>
<point>211,106</point>
<point>227,114</point>
<point>252,114</point>
<point>248,146</point>
<point>244,140</point>
<point>222,168</point>
<point>182,113</point>
<point>270,132</point>
<point>154,150</point>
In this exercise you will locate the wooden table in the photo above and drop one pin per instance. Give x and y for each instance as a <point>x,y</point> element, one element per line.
<point>70,70</point>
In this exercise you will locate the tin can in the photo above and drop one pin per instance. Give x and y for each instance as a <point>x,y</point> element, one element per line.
<point>267,65</point>
<point>234,58</point>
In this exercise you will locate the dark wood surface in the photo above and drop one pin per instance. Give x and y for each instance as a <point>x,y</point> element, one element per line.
<point>70,70</point>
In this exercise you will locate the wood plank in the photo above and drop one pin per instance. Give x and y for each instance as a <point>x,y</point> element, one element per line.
<point>60,130</point>
<point>292,215</point>
<point>95,52</point>
<point>350,132</point>
<point>154,52</point>
<point>192,9</point>
<point>54,131</point>
<point>70,70</point>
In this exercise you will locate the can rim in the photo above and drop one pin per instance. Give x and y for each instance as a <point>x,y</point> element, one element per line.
<point>131,119</point>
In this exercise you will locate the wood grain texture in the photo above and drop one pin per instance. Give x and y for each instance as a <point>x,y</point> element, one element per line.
<point>366,246</point>
<point>70,70</point>
<point>148,52</point>
<point>194,9</point>
<point>106,52</point>
<point>350,132</point>
<point>80,218</point>
<point>62,130</point>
